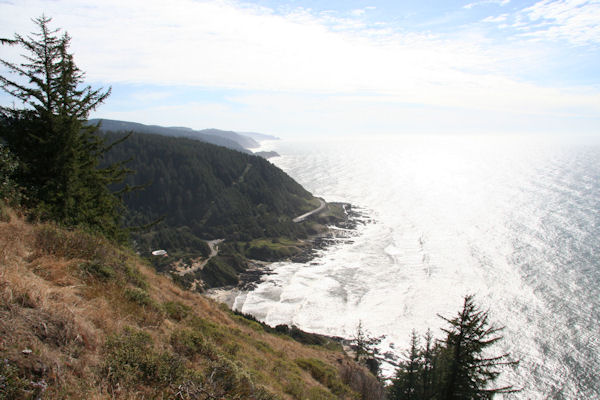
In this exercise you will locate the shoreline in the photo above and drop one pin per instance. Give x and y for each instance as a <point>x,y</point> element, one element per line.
<point>339,229</point>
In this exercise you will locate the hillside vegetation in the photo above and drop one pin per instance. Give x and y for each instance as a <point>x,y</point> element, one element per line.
<point>213,191</point>
<point>199,192</point>
<point>81,318</point>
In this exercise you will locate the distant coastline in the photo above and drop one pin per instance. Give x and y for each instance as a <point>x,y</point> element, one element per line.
<point>267,154</point>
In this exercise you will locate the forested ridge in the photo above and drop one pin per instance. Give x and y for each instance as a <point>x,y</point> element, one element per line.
<point>229,139</point>
<point>207,191</point>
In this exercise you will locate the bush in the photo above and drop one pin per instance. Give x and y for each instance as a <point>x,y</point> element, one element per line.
<point>217,272</point>
<point>231,378</point>
<point>139,296</point>
<point>103,259</point>
<point>324,374</point>
<point>253,324</point>
<point>52,240</point>
<point>188,343</point>
<point>12,386</point>
<point>130,359</point>
<point>176,310</point>
<point>318,393</point>
<point>9,191</point>
<point>97,269</point>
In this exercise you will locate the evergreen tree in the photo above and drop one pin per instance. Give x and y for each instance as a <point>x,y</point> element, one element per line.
<point>428,357</point>
<point>407,384</point>
<point>9,192</point>
<point>58,151</point>
<point>366,351</point>
<point>456,368</point>
<point>468,372</point>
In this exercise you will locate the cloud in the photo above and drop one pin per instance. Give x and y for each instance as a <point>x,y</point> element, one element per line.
<point>575,21</point>
<point>358,12</point>
<point>228,45</point>
<point>362,11</point>
<point>484,2</point>
<point>296,58</point>
<point>499,18</point>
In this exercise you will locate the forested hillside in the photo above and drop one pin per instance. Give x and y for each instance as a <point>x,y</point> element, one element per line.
<point>206,191</point>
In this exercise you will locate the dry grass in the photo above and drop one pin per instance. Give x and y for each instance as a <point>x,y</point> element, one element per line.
<point>76,313</point>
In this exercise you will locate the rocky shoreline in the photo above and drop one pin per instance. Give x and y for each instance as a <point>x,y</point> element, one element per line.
<point>337,229</point>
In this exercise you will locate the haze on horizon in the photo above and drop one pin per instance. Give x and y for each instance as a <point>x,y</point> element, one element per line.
<point>307,68</point>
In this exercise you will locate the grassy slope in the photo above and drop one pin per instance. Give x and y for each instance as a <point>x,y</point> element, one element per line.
<point>101,324</point>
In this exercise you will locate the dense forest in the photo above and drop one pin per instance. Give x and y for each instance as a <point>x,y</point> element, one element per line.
<point>205,191</point>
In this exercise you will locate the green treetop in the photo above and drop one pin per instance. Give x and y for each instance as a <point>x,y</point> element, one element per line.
<point>459,367</point>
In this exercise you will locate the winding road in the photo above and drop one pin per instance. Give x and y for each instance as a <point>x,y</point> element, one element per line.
<point>308,214</point>
<point>214,251</point>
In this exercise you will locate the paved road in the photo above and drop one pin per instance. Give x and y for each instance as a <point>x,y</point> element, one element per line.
<point>308,214</point>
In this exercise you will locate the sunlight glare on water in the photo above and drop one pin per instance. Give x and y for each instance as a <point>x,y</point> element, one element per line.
<point>512,221</point>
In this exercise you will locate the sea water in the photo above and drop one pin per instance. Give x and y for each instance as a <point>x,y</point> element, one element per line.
<point>514,222</point>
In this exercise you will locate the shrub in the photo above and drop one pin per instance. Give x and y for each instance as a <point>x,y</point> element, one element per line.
<point>97,269</point>
<point>208,328</point>
<point>12,386</point>
<point>58,242</point>
<point>254,325</point>
<point>176,310</point>
<point>130,359</point>
<point>318,393</point>
<point>218,273</point>
<point>231,378</point>
<point>188,343</point>
<point>9,191</point>
<point>295,388</point>
<point>139,296</point>
<point>323,373</point>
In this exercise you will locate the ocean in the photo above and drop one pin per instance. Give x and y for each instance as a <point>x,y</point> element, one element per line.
<point>514,221</point>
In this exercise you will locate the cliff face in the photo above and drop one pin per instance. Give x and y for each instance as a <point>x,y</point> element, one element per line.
<point>81,318</point>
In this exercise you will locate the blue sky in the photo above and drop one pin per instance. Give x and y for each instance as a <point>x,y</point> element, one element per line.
<point>336,68</point>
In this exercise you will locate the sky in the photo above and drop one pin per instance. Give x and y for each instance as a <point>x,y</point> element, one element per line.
<point>307,68</point>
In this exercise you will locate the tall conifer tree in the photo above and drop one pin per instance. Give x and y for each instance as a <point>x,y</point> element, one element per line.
<point>406,384</point>
<point>59,152</point>
<point>469,372</point>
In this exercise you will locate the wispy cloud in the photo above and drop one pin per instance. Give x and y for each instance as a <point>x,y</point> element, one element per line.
<point>359,12</point>
<point>484,2</point>
<point>499,18</point>
<point>290,60</point>
<point>575,21</point>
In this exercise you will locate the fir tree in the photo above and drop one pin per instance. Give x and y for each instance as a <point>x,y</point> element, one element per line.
<point>428,357</point>
<point>407,385</point>
<point>456,368</point>
<point>59,152</point>
<point>366,351</point>
<point>468,371</point>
